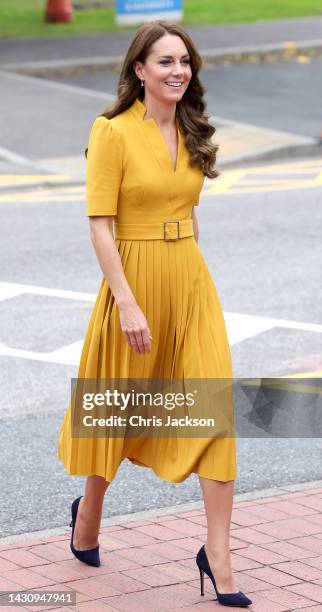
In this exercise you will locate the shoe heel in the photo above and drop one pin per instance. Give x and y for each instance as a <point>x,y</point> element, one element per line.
<point>236,599</point>
<point>202,581</point>
<point>90,556</point>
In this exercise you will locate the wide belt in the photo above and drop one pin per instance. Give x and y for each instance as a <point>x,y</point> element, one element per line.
<point>165,230</point>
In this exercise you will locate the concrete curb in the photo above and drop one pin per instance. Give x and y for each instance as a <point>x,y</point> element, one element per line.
<point>252,53</point>
<point>146,514</point>
<point>278,153</point>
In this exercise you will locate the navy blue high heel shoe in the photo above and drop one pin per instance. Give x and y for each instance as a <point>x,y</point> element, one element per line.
<point>91,556</point>
<point>226,599</point>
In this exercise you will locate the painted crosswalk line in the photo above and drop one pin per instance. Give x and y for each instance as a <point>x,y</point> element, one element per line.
<point>8,290</point>
<point>239,326</point>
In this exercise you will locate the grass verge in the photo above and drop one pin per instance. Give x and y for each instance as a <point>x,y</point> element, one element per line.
<point>26,18</point>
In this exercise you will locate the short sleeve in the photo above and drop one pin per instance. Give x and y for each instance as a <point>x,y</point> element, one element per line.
<point>103,168</point>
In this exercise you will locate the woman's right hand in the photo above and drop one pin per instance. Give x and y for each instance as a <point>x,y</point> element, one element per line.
<point>135,327</point>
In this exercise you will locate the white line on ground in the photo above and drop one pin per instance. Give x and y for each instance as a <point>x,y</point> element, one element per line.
<point>17,288</point>
<point>243,326</point>
<point>15,158</point>
<point>74,89</point>
<point>67,355</point>
<point>239,326</point>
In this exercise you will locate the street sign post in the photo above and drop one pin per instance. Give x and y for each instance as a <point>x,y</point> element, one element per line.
<point>134,12</point>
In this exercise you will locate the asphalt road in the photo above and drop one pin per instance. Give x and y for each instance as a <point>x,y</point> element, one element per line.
<point>41,121</point>
<point>263,249</point>
<point>283,96</point>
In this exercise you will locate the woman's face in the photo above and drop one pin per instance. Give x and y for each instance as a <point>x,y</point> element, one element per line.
<point>167,71</point>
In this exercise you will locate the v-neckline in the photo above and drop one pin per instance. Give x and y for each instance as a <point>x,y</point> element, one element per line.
<point>142,110</point>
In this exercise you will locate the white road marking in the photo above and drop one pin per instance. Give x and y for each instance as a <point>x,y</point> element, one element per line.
<point>15,158</point>
<point>242,326</point>
<point>9,290</point>
<point>18,289</point>
<point>239,326</point>
<point>67,355</point>
<point>74,89</point>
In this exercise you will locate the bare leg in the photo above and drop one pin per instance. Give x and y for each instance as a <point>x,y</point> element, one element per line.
<point>218,500</point>
<point>89,513</point>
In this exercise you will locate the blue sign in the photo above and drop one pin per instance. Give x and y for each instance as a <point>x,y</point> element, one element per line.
<point>140,11</point>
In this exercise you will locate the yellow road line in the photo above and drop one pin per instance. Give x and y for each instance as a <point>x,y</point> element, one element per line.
<point>12,180</point>
<point>62,193</point>
<point>318,179</point>
<point>315,374</point>
<point>276,382</point>
<point>258,179</point>
<point>223,183</point>
<point>36,198</point>
<point>261,188</point>
<point>277,180</point>
<point>285,171</point>
<point>286,166</point>
<point>235,181</point>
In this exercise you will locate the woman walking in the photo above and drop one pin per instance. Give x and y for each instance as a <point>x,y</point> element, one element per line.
<point>157,314</point>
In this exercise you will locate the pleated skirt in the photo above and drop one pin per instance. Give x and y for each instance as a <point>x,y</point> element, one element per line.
<point>173,287</point>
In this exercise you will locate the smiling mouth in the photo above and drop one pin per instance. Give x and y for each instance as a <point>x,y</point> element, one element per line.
<point>175,84</point>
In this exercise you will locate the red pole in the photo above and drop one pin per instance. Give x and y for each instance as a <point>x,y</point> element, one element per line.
<point>59,11</point>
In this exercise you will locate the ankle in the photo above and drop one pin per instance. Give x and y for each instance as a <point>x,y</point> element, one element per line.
<point>220,565</point>
<point>92,516</point>
<point>217,550</point>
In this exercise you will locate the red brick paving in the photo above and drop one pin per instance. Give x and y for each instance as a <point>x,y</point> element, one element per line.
<point>149,564</point>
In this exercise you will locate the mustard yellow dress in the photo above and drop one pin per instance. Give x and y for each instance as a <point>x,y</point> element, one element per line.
<point>130,174</point>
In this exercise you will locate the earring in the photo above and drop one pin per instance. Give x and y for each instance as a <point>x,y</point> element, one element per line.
<point>142,83</point>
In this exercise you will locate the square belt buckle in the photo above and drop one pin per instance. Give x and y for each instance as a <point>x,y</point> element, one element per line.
<point>176,236</point>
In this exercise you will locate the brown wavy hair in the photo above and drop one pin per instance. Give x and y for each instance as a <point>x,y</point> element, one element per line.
<point>190,111</point>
